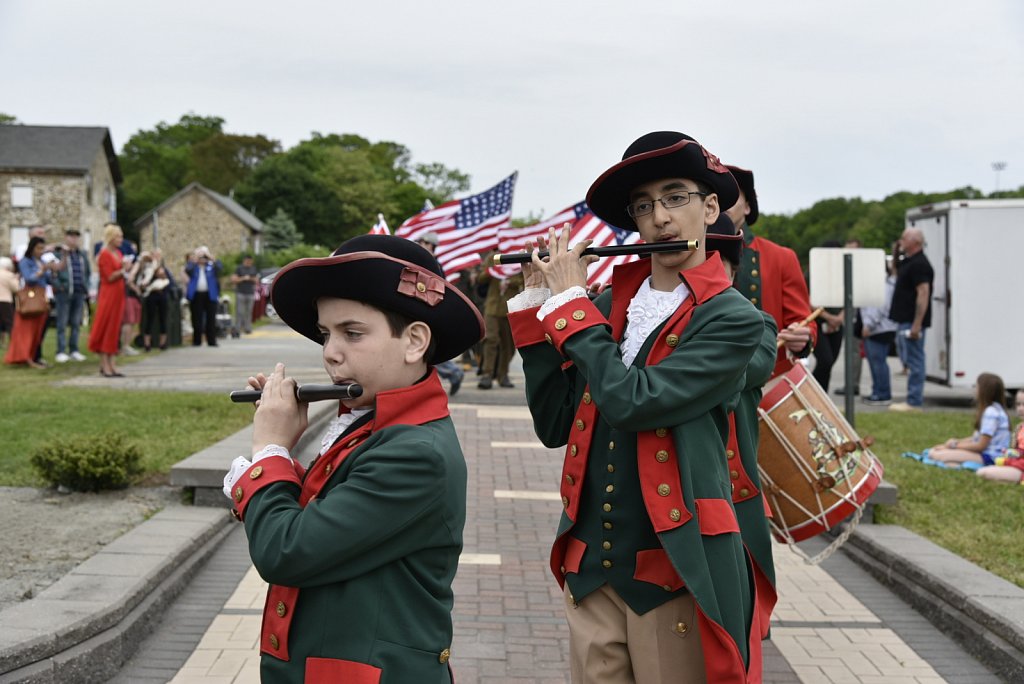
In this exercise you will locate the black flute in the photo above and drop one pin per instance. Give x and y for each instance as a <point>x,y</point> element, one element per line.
<point>305,393</point>
<point>614,250</point>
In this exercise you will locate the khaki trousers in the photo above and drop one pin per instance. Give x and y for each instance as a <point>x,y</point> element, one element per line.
<point>610,644</point>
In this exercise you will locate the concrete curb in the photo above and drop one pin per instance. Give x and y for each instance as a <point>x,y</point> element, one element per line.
<point>85,626</point>
<point>982,612</point>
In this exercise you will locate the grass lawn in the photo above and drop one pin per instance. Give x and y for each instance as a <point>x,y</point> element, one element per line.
<point>167,426</point>
<point>976,519</point>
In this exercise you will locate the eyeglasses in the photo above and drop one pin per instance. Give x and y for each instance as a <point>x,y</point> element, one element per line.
<point>677,198</point>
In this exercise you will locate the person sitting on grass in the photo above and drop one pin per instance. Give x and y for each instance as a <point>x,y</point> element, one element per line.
<point>1010,466</point>
<point>992,428</point>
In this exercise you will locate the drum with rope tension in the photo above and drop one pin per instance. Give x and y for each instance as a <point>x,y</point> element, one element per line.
<point>815,470</point>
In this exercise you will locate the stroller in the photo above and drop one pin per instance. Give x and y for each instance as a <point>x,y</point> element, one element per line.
<point>224,322</point>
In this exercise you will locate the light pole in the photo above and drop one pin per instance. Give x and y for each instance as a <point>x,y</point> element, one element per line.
<point>997,167</point>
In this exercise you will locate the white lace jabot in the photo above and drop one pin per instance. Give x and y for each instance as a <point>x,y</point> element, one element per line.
<point>647,310</point>
<point>337,426</point>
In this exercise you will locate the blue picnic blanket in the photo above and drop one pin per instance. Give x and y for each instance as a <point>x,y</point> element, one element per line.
<point>923,457</point>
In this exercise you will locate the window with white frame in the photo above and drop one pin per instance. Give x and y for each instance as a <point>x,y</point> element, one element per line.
<point>21,196</point>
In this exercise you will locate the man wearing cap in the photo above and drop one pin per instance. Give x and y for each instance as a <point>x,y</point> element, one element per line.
<point>771,278</point>
<point>636,385</point>
<point>70,292</point>
<point>361,548</point>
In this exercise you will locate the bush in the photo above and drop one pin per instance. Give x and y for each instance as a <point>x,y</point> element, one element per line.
<point>89,464</point>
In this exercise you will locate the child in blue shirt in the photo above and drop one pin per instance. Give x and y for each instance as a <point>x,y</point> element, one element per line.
<point>992,427</point>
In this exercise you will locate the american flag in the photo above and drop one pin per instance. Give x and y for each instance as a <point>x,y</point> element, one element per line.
<point>380,227</point>
<point>585,226</point>
<point>465,227</point>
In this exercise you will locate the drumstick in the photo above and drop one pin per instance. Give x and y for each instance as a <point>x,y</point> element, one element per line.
<point>809,319</point>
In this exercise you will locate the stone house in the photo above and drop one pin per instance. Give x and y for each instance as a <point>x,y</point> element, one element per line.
<point>61,176</point>
<point>195,216</point>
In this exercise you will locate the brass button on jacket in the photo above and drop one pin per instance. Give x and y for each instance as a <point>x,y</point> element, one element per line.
<point>664,489</point>
<point>674,515</point>
<point>578,315</point>
<point>281,609</point>
<point>606,563</point>
<point>444,656</point>
<point>672,340</point>
<point>661,432</point>
<point>256,472</point>
<point>580,425</point>
<point>561,323</point>
<point>274,643</point>
<point>239,493</point>
<point>662,456</point>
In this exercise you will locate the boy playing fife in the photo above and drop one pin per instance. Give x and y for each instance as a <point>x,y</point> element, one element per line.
<point>637,386</point>
<point>361,549</point>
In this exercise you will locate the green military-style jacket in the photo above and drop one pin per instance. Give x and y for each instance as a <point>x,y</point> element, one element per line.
<point>747,495</point>
<point>645,485</point>
<point>361,550</point>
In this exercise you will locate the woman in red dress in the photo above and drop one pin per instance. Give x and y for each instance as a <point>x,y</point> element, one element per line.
<point>29,330</point>
<point>106,328</point>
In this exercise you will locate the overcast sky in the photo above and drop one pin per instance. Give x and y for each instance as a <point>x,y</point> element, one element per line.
<point>820,99</point>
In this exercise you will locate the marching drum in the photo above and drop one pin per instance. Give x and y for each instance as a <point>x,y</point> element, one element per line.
<point>815,470</point>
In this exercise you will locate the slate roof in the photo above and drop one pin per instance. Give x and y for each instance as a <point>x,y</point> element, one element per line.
<point>230,205</point>
<point>55,148</point>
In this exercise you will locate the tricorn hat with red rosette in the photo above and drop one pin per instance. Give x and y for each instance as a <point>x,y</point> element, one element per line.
<point>745,179</point>
<point>651,157</point>
<point>386,272</point>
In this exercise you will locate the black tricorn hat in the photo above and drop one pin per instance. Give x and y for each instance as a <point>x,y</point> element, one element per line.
<point>662,154</point>
<point>745,179</point>
<point>722,237</point>
<point>386,272</point>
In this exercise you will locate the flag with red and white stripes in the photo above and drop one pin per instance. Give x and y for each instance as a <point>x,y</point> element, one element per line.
<point>465,228</point>
<point>584,226</point>
<point>380,227</point>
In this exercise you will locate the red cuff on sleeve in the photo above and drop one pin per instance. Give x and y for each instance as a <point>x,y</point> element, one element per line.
<point>526,329</point>
<point>265,472</point>
<point>570,318</point>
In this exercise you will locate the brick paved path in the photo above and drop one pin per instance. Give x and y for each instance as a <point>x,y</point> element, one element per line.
<point>833,622</point>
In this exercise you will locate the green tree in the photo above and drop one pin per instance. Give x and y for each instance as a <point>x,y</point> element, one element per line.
<point>280,232</point>
<point>334,185</point>
<point>7,119</point>
<point>157,163</point>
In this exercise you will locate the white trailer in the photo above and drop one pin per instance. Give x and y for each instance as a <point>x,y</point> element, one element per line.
<point>975,248</point>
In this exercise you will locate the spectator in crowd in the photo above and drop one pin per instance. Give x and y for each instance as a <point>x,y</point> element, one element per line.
<point>51,263</point>
<point>991,427</point>
<point>878,333</point>
<point>132,301</point>
<point>246,279</point>
<point>447,369</point>
<point>499,347</point>
<point>105,336</point>
<point>467,284</point>
<point>155,284</point>
<point>1010,466</point>
<point>912,310</point>
<point>71,294</point>
<point>771,278</point>
<point>28,330</point>
<point>9,284</point>
<point>203,294</point>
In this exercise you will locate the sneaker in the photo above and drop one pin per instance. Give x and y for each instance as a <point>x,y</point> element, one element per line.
<point>485,382</point>
<point>505,382</point>
<point>129,350</point>
<point>876,401</point>
<point>62,358</point>
<point>77,356</point>
<point>904,407</point>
